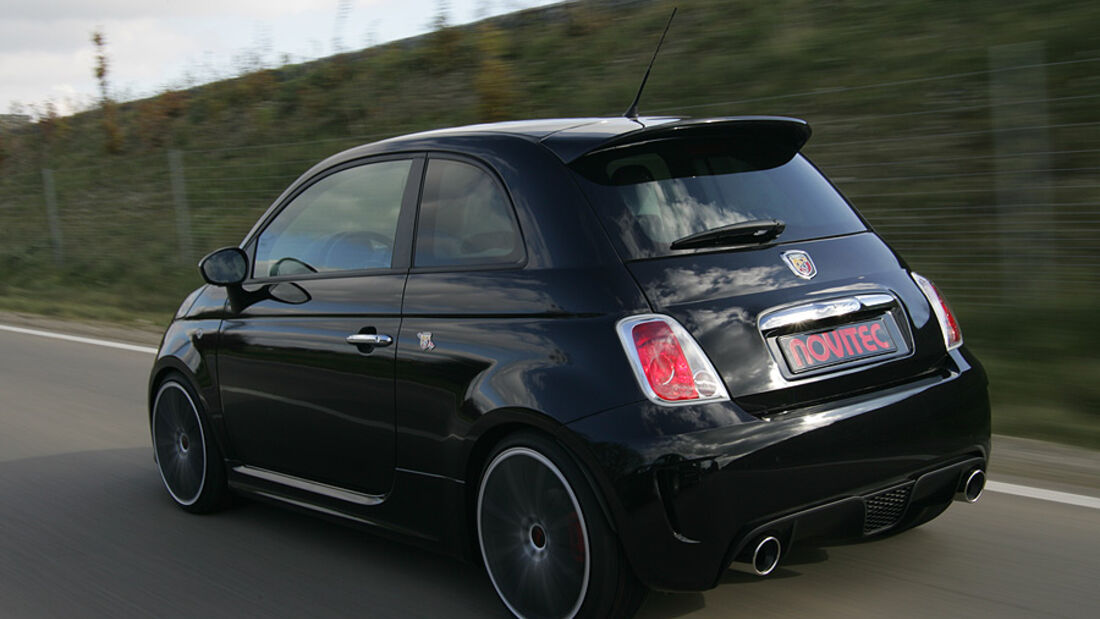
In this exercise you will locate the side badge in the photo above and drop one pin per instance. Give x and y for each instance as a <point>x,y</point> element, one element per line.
<point>800,263</point>
<point>426,342</point>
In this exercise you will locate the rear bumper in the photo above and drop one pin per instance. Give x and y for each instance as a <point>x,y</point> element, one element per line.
<point>687,501</point>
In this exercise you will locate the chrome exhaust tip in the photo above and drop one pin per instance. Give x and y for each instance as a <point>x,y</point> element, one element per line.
<point>764,558</point>
<point>971,488</point>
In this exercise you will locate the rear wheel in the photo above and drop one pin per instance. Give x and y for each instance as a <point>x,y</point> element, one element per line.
<point>188,458</point>
<point>547,546</point>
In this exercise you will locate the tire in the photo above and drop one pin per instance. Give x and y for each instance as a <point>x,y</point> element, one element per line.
<point>187,456</point>
<point>546,544</point>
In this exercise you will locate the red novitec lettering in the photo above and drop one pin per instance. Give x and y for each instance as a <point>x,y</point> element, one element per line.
<point>850,337</point>
<point>831,346</point>
<point>834,345</point>
<point>875,328</point>
<point>793,346</point>
<point>817,339</point>
<point>865,336</point>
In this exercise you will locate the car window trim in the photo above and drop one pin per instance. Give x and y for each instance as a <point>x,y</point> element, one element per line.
<point>461,268</point>
<point>402,246</point>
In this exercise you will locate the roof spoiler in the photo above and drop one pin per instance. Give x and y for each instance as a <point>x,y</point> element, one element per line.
<point>779,136</point>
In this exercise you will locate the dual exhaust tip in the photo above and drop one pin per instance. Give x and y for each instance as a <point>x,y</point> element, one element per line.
<point>970,490</point>
<point>765,553</point>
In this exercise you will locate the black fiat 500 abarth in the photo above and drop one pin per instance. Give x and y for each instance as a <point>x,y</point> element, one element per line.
<point>596,355</point>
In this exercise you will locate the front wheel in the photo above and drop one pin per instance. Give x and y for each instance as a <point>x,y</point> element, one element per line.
<point>186,453</point>
<point>547,546</point>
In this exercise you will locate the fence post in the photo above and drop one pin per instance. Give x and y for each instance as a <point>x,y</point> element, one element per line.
<point>1021,146</point>
<point>52,217</point>
<point>179,199</point>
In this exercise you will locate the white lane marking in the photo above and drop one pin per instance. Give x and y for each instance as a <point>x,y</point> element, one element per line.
<point>1079,500</point>
<point>82,340</point>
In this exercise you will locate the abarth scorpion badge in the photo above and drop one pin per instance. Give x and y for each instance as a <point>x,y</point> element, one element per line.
<point>426,342</point>
<point>800,263</point>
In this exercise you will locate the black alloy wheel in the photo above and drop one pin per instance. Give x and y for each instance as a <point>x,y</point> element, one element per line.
<point>187,457</point>
<point>545,541</point>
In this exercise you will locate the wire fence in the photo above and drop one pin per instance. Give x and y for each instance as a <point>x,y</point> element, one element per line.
<point>1002,216</point>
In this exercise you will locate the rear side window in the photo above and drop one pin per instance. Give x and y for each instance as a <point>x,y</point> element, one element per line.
<point>655,193</point>
<point>465,219</point>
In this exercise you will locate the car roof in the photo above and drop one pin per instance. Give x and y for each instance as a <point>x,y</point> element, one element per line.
<point>570,138</point>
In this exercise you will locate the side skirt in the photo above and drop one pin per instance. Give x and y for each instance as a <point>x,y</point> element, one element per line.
<point>422,509</point>
<point>350,496</point>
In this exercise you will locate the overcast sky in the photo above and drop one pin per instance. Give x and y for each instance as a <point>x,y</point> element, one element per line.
<point>46,51</point>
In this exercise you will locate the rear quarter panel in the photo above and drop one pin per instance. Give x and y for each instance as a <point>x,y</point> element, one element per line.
<point>532,344</point>
<point>528,346</point>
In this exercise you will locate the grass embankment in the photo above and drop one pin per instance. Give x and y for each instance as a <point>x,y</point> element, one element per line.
<point>965,132</point>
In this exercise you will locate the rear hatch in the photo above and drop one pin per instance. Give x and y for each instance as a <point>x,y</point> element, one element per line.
<point>732,232</point>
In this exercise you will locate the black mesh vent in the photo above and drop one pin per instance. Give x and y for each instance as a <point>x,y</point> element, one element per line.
<point>885,508</point>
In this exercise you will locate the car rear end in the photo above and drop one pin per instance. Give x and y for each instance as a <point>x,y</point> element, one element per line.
<point>799,379</point>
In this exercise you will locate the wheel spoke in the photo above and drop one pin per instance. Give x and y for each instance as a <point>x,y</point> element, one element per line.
<point>518,489</point>
<point>175,473</point>
<point>501,514</point>
<point>196,460</point>
<point>178,443</point>
<point>172,410</point>
<point>527,520</point>
<point>560,508</point>
<point>539,485</point>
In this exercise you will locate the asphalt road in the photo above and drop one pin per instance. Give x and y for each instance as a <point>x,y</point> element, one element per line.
<point>86,530</point>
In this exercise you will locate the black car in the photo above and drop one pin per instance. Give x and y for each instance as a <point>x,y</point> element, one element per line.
<point>596,355</point>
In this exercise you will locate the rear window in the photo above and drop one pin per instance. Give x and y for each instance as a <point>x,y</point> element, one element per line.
<point>651,194</point>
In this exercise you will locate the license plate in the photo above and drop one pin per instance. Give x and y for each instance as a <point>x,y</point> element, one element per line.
<point>810,351</point>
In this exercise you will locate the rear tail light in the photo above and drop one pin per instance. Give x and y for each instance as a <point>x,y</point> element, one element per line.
<point>668,363</point>
<point>952,334</point>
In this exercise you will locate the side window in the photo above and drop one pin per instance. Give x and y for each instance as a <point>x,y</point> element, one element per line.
<point>465,219</point>
<point>345,221</point>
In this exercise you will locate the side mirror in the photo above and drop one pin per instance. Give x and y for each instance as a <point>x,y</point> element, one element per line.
<point>225,267</point>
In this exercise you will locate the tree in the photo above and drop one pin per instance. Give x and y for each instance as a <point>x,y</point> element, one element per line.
<point>343,8</point>
<point>49,122</point>
<point>111,131</point>
<point>494,81</point>
<point>444,40</point>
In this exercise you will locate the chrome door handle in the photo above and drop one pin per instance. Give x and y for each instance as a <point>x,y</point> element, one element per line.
<point>369,339</point>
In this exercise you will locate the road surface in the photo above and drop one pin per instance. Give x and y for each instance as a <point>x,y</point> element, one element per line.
<point>87,530</point>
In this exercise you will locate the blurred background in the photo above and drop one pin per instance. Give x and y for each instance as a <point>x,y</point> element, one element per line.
<point>968,133</point>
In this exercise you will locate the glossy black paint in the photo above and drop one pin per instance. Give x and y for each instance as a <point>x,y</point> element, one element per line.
<point>302,400</point>
<point>534,346</point>
<point>719,297</point>
<point>707,477</point>
<point>537,343</point>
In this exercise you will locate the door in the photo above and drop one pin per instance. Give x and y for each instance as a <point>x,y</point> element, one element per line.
<point>306,369</point>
